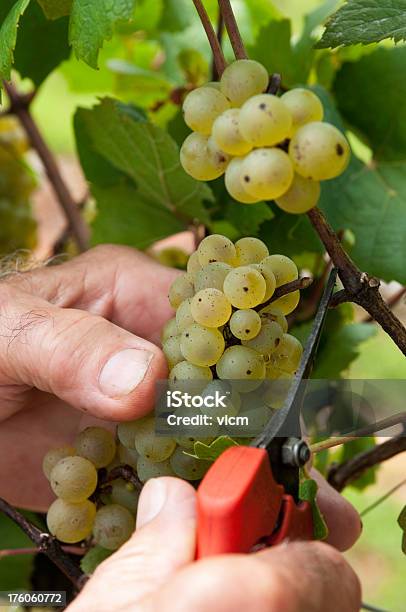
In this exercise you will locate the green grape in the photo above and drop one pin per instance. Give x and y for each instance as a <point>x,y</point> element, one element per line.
<point>267,340</point>
<point>202,346</point>
<point>283,268</point>
<point>302,195</point>
<point>73,479</point>
<point>288,354</point>
<point>265,121</point>
<point>319,151</point>
<point>243,79</point>
<point>127,456</point>
<point>193,264</point>
<point>276,393</point>
<point>153,447</point>
<point>184,316</point>
<point>245,287</point>
<point>216,248</point>
<point>241,363</point>
<point>97,445</point>
<point>304,107</point>
<point>219,158</point>
<point>200,161</point>
<point>185,374</point>
<point>270,313</point>
<point>211,308</point>
<point>181,289</point>
<point>53,456</point>
<point>125,494</point>
<point>250,251</point>
<point>288,302</point>
<point>245,324</point>
<point>202,106</point>
<point>227,135</point>
<point>113,525</point>
<point>188,467</point>
<point>170,329</point>
<point>188,442</point>
<point>147,469</point>
<point>233,183</point>
<point>267,173</point>
<point>212,276</point>
<point>70,522</point>
<point>126,432</point>
<point>171,350</point>
<point>232,400</point>
<point>270,281</point>
<point>214,84</point>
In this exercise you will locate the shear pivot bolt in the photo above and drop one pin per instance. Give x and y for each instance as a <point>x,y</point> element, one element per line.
<point>295,452</point>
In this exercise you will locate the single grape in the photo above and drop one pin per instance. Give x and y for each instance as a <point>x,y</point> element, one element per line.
<point>125,494</point>
<point>283,268</point>
<point>171,350</point>
<point>211,308</point>
<point>232,400</point>
<point>302,196</point>
<point>153,447</point>
<point>193,264</point>
<point>319,151</point>
<point>258,417</point>
<point>245,324</point>
<point>71,522</point>
<point>266,173</point>
<point>270,281</point>
<point>202,346</point>
<point>304,107</point>
<point>188,467</point>
<point>212,276</point>
<point>227,135</point>
<point>200,161</point>
<point>181,289</point>
<point>243,79</point>
<point>277,390</point>
<point>250,250</point>
<point>270,313</point>
<point>147,469</point>
<point>126,432</point>
<point>73,479</point>
<point>241,363</point>
<point>113,525</point>
<point>216,248</point>
<point>288,302</point>
<point>202,106</point>
<point>186,375</point>
<point>215,84</point>
<point>245,287</point>
<point>53,456</point>
<point>265,121</point>
<point>169,329</point>
<point>218,158</point>
<point>267,340</point>
<point>184,316</point>
<point>128,456</point>
<point>97,445</point>
<point>288,354</point>
<point>233,183</point>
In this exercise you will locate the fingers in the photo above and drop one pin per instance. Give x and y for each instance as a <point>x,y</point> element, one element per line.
<point>343,521</point>
<point>81,358</point>
<point>116,282</point>
<point>300,577</point>
<point>164,542</point>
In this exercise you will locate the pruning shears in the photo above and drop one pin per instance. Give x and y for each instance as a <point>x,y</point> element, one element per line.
<point>249,498</point>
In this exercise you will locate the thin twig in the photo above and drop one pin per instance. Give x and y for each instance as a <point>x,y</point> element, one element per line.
<point>46,544</point>
<point>218,56</point>
<point>392,302</point>
<point>19,106</point>
<point>219,34</point>
<point>296,285</point>
<point>125,472</point>
<point>383,498</point>
<point>232,29</point>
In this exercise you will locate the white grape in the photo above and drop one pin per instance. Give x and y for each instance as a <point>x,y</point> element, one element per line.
<point>181,289</point>
<point>267,173</point>
<point>267,340</point>
<point>126,432</point>
<point>113,525</point>
<point>216,248</point>
<point>71,522</point>
<point>97,445</point>
<point>171,350</point>
<point>245,324</point>
<point>304,107</point>
<point>234,184</point>
<point>250,251</point>
<point>53,456</point>
<point>265,121</point>
<point>288,354</point>
<point>270,313</point>
<point>243,79</point>
<point>73,479</point>
<point>125,494</point>
<point>231,399</point>
<point>193,264</point>
<point>186,375</point>
<point>202,162</point>
<point>226,133</point>
<point>288,302</point>
<point>302,196</point>
<point>169,329</point>
<point>241,363</point>
<point>184,316</point>
<point>211,308</point>
<point>147,469</point>
<point>283,268</point>
<point>202,106</point>
<point>212,276</point>
<point>128,456</point>
<point>202,346</point>
<point>153,447</point>
<point>245,287</point>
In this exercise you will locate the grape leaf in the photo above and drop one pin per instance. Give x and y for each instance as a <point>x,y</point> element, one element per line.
<point>210,452</point>
<point>176,15</point>
<point>92,22</point>
<point>370,95</point>
<point>54,9</point>
<point>10,14</point>
<point>366,21</point>
<point>93,558</point>
<point>402,519</point>
<point>308,492</point>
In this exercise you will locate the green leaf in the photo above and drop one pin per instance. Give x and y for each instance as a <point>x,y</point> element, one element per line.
<point>147,14</point>
<point>15,571</point>
<point>370,95</point>
<point>139,84</point>
<point>366,21</point>
<point>54,9</point>
<point>402,519</point>
<point>92,22</point>
<point>194,66</point>
<point>261,12</point>
<point>176,15</point>
<point>352,449</point>
<point>308,492</point>
<point>10,14</point>
<point>142,192</point>
<point>210,452</point>
<point>93,558</point>
<point>247,219</point>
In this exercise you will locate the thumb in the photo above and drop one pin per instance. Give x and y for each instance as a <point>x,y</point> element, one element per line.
<point>163,542</point>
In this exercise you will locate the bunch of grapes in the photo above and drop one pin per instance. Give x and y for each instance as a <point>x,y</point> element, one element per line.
<point>268,147</point>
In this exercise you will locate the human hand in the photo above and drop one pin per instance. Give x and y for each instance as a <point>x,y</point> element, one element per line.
<point>154,570</point>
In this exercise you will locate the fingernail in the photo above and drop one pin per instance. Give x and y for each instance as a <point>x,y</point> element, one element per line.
<point>152,500</point>
<point>124,371</point>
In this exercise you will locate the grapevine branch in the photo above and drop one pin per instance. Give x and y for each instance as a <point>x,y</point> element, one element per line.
<point>19,106</point>
<point>46,544</point>
<point>232,29</point>
<point>218,56</point>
